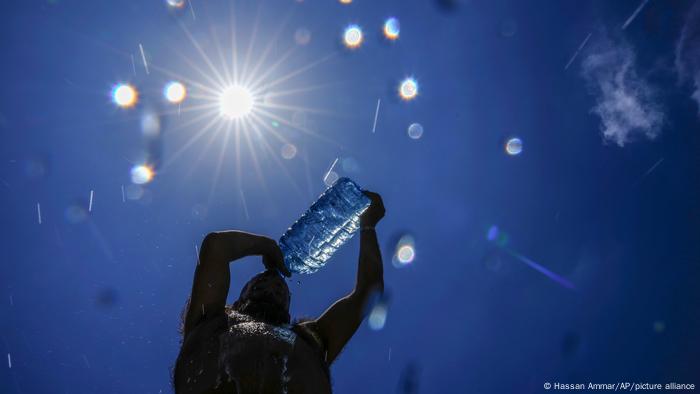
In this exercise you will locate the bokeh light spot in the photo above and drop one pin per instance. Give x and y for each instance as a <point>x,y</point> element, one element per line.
<point>497,236</point>
<point>176,3</point>
<point>377,318</point>
<point>124,95</point>
<point>492,234</point>
<point>392,29</point>
<point>408,90</point>
<point>350,165</point>
<point>302,36</point>
<point>134,192</point>
<point>150,124</point>
<point>415,131</point>
<point>35,167</point>
<point>289,151</point>
<point>235,102</point>
<point>405,252</point>
<point>75,213</point>
<point>141,174</point>
<point>352,37</point>
<point>659,326</point>
<point>514,146</point>
<point>175,92</point>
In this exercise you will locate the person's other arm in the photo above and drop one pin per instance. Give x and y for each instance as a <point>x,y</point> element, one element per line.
<point>339,322</point>
<point>212,276</point>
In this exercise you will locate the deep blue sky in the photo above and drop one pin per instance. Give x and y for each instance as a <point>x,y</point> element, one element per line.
<point>90,302</point>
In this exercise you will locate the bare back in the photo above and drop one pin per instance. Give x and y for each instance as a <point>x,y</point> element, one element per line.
<point>236,354</point>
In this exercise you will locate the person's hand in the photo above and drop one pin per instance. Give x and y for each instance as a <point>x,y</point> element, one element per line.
<point>273,259</point>
<point>375,212</point>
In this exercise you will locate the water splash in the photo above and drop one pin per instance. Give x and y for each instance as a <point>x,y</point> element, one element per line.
<point>285,376</point>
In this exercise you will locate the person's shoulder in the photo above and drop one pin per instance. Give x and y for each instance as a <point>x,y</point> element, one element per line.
<point>208,327</point>
<point>308,330</point>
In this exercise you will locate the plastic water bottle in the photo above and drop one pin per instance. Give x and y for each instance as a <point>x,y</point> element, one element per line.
<point>324,227</point>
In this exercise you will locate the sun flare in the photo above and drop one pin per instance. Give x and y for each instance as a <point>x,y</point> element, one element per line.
<point>236,102</point>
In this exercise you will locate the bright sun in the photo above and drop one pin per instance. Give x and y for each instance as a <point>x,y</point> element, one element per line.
<point>235,102</point>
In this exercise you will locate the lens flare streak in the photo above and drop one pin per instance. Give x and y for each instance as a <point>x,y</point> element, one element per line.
<point>194,16</point>
<point>537,267</point>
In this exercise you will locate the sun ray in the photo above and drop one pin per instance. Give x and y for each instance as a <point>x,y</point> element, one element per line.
<point>271,43</point>
<point>305,109</point>
<point>203,151</point>
<point>192,121</point>
<point>304,129</point>
<point>199,70</point>
<point>276,158</point>
<point>306,89</point>
<point>207,60</point>
<point>256,164</point>
<point>234,45</point>
<point>309,184</point>
<point>256,118</point>
<point>189,143</point>
<point>222,60</point>
<point>256,83</point>
<point>205,97</point>
<point>260,68</point>
<point>251,44</point>
<point>298,71</point>
<point>237,132</point>
<point>219,164</point>
<point>174,110</point>
<point>257,122</point>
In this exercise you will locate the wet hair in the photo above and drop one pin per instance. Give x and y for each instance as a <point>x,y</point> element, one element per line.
<point>263,310</point>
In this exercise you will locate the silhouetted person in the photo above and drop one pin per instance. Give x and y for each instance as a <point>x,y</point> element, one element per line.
<point>251,346</point>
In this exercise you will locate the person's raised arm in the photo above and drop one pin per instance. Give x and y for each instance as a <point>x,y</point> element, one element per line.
<point>212,276</point>
<point>339,322</point>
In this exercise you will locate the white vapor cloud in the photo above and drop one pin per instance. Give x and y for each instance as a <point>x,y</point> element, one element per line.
<point>624,100</point>
<point>688,51</point>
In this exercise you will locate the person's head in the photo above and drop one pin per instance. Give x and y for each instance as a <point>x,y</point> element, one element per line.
<point>266,298</point>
